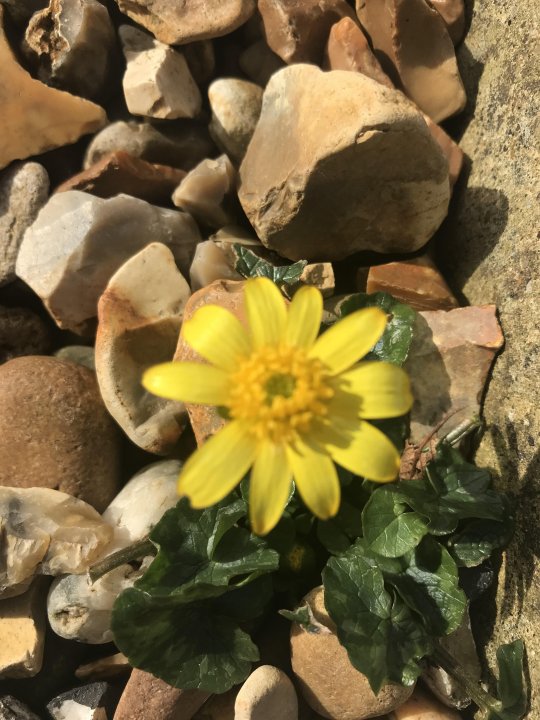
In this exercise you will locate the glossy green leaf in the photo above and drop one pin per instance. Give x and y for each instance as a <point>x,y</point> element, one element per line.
<point>301,615</point>
<point>388,529</point>
<point>512,685</point>
<point>249,264</point>
<point>478,540</point>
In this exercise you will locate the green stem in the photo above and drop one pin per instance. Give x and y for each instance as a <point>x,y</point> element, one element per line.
<point>456,435</point>
<point>137,550</point>
<point>483,699</point>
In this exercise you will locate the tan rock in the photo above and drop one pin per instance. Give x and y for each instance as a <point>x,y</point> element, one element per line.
<point>412,43</point>
<point>210,263</point>
<point>453,14</point>
<point>22,332</point>
<point>140,313</point>
<point>104,668</point>
<point>321,276</point>
<point>267,694</point>
<point>35,117</point>
<point>422,707</point>
<point>453,153</point>
<point>259,63</point>
<point>56,434</point>
<point>321,193</point>
<point>181,23</point>
<point>236,106</point>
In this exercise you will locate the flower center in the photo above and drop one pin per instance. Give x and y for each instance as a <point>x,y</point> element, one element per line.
<point>278,392</point>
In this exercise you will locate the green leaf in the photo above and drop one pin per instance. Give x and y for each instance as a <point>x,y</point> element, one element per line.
<point>337,534</point>
<point>301,615</point>
<point>511,686</point>
<point>249,264</point>
<point>478,540</point>
<point>388,529</point>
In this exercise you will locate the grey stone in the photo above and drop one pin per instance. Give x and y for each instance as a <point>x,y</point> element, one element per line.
<point>13,709</point>
<point>210,263</point>
<point>236,106</point>
<point>78,354</point>
<point>88,702</point>
<point>22,332</point>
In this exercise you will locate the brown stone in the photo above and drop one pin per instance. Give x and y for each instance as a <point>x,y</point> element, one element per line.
<point>412,44</point>
<point>259,63</point>
<point>453,14</point>
<point>22,333</point>
<point>104,668</point>
<point>55,431</point>
<point>452,151</point>
<point>421,706</point>
<point>416,282</point>
<point>119,172</point>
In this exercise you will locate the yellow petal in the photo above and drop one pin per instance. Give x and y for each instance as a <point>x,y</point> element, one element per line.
<point>366,452</point>
<point>269,487</point>
<point>215,469</point>
<point>384,390</point>
<point>217,335</point>
<point>316,479</point>
<point>266,311</point>
<point>349,339</point>
<point>189,382</point>
<point>304,317</point>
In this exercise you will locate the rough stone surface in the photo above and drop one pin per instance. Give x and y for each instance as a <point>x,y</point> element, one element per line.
<point>12,709</point>
<point>24,188</point>
<point>185,22</point>
<point>236,106</point>
<point>259,63</point>
<point>78,241</point>
<point>22,333</point>
<point>322,193</point>
<point>56,434</point>
<point>88,702</point>
<point>60,118</point>
<point>420,706</point>
<point>266,694</point>
<point>140,314</point>
<point>453,14</point>
<point>210,263</point>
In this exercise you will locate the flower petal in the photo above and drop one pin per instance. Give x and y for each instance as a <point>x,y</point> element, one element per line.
<point>266,311</point>
<point>384,389</point>
<point>349,339</point>
<point>217,466</point>
<point>189,382</point>
<point>269,487</point>
<point>366,452</point>
<point>316,478</point>
<point>217,335</point>
<point>304,317</point>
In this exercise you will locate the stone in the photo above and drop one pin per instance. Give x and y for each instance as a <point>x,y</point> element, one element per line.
<point>157,82</point>
<point>453,14</point>
<point>104,668</point>
<point>119,173</point>
<point>449,361</point>
<point>78,354</point>
<point>208,192</point>
<point>22,629</point>
<point>288,189</point>
<point>326,678</point>
<point>210,263</point>
<point>181,23</point>
<point>140,314</point>
<point>88,702</point>
<point>321,276</point>
<point>422,707</point>
<point>259,63</point>
<point>219,707</point>
<point>22,332</point>
<point>236,106</point>
<point>412,44</point>
<point>266,694</point>
<point>182,144</point>
<point>297,30</point>
<point>73,42</point>
<point>12,709</point>
<point>24,189</point>
<point>62,118</point>
<point>453,153</point>
<point>56,434</point>
<point>22,10</point>
<point>146,696</point>
<point>49,532</point>
<point>201,60</point>
<point>416,282</point>
<point>67,262</point>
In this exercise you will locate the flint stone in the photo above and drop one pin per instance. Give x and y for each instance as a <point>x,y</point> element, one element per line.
<point>288,189</point>
<point>321,276</point>
<point>210,263</point>
<point>88,702</point>
<point>422,707</point>
<point>12,709</point>
<point>73,41</point>
<point>266,694</point>
<point>453,14</point>
<point>140,314</point>
<point>78,354</point>
<point>62,118</point>
<point>236,106</point>
<point>22,333</point>
<point>259,63</point>
<point>186,22</point>
<point>157,82</point>
<point>78,241</point>
<point>104,668</point>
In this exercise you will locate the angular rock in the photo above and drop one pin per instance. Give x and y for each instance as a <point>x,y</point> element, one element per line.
<point>56,434</point>
<point>412,44</point>
<point>22,333</point>
<point>422,707</point>
<point>453,14</point>
<point>448,364</point>
<point>322,193</point>
<point>182,144</point>
<point>24,189</point>
<point>297,30</point>
<point>119,173</point>
<point>62,118</point>
<point>140,314</point>
<point>266,694</point>
<point>181,23</point>
<point>49,532</point>
<point>88,702</point>
<point>73,42</point>
<point>12,709</point>
<point>208,192</point>
<point>104,668</point>
<point>259,63</point>
<point>78,354</point>
<point>321,276</point>
<point>236,106</point>
<point>78,241</point>
<point>210,263</point>
<point>157,82</point>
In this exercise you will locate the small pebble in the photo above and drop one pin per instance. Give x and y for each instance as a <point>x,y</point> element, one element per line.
<point>267,694</point>
<point>236,106</point>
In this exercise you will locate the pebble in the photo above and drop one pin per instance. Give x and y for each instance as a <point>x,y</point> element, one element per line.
<point>267,694</point>
<point>73,42</point>
<point>157,82</point>
<point>140,314</point>
<point>56,434</point>
<point>236,106</point>
<point>322,192</point>
<point>453,14</point>
<point>88,702</point>
<point>104,668</point>
<point>62,118</point>
<point>67,262</point>
<point>24,189</point>
<point>78,354</point>
<point>412,43</point>
<point>210,263</point>
<point>422,707</point>
<point>22,332</point>
<point>321,276</point>
<point>12,709</point>
<point>259,63</point>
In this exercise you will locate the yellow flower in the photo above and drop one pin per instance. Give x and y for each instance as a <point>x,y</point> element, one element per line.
<point>296,403</point>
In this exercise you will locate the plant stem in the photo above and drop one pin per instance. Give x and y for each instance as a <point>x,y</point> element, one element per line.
<point>456,435</point>
<point>483,699</point>
<point>137,550</point>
